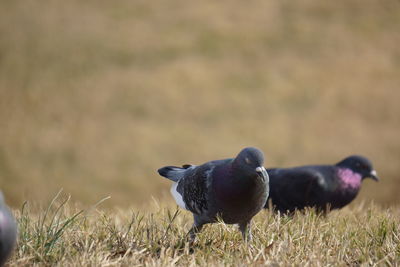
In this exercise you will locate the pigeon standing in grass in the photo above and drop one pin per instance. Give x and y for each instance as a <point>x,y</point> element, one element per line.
<point>324,187</point>
<point>8,231</point>
<point>233,189</point>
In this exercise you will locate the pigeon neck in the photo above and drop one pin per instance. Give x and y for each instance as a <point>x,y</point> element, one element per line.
<point>231,181</point>
<point>349,179</point>
<point>240,175</point>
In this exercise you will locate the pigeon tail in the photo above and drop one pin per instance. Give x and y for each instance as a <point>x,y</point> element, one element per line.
<point>172,172</point>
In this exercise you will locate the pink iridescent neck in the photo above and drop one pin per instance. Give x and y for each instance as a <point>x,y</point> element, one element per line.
<point>349,178</point>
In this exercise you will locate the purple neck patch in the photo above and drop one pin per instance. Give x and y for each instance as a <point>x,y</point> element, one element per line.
<point>349,178</point>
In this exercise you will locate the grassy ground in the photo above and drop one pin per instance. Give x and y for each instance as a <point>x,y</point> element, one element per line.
<point>64,235</point>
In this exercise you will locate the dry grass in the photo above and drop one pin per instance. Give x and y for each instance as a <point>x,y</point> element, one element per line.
<point>63,235</point>
<point>95,96</point>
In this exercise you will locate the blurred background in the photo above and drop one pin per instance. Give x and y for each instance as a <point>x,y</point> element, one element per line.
<point>95,96</point>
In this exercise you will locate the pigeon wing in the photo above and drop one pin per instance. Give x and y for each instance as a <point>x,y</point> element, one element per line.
<point>296,188</point>
<point>193,188</point>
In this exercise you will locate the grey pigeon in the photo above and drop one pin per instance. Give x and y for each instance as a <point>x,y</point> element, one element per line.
<point>324,187</point>
<point>8,231</point>
<point>232,189</point>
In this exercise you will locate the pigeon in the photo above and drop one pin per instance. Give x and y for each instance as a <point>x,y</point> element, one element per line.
<point>233,190</point>
<point>8,231</point>
<point>325,187</point>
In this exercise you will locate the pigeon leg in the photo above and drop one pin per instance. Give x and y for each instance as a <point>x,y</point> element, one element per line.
<point>246,231</point>
<point>327,209</point>
<point>194,230</point>
<point>197,226</point>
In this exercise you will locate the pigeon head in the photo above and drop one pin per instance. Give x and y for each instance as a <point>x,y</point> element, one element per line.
<point>360,165</point>
<point>251,161</point>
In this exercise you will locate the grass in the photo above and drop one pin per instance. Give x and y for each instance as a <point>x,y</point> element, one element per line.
<point>65,235</point>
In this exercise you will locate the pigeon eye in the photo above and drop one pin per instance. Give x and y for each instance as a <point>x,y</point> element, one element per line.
<point>248,161</point>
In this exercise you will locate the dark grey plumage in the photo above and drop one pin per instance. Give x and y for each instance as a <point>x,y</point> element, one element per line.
<point>8,231</point>
<point>233,189</point>
<point>321,186</point>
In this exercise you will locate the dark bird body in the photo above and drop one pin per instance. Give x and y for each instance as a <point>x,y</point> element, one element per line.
<point>231,189</point>
<point>321,186</point>
<point>8,231</point>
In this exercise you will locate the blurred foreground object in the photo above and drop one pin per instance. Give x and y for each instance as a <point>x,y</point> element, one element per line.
<point>8,231</point>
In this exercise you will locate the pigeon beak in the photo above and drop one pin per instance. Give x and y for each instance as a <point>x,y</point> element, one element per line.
<point>262,172</point>
<point>374,175</point>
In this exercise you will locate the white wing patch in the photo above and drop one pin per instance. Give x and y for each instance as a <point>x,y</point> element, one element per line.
<point>177,196</point>
<point>321,180</point>
<point>208,180</point>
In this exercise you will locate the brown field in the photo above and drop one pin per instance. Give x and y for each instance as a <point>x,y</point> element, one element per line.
<point>96,95</point>
<point>62,235</point>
